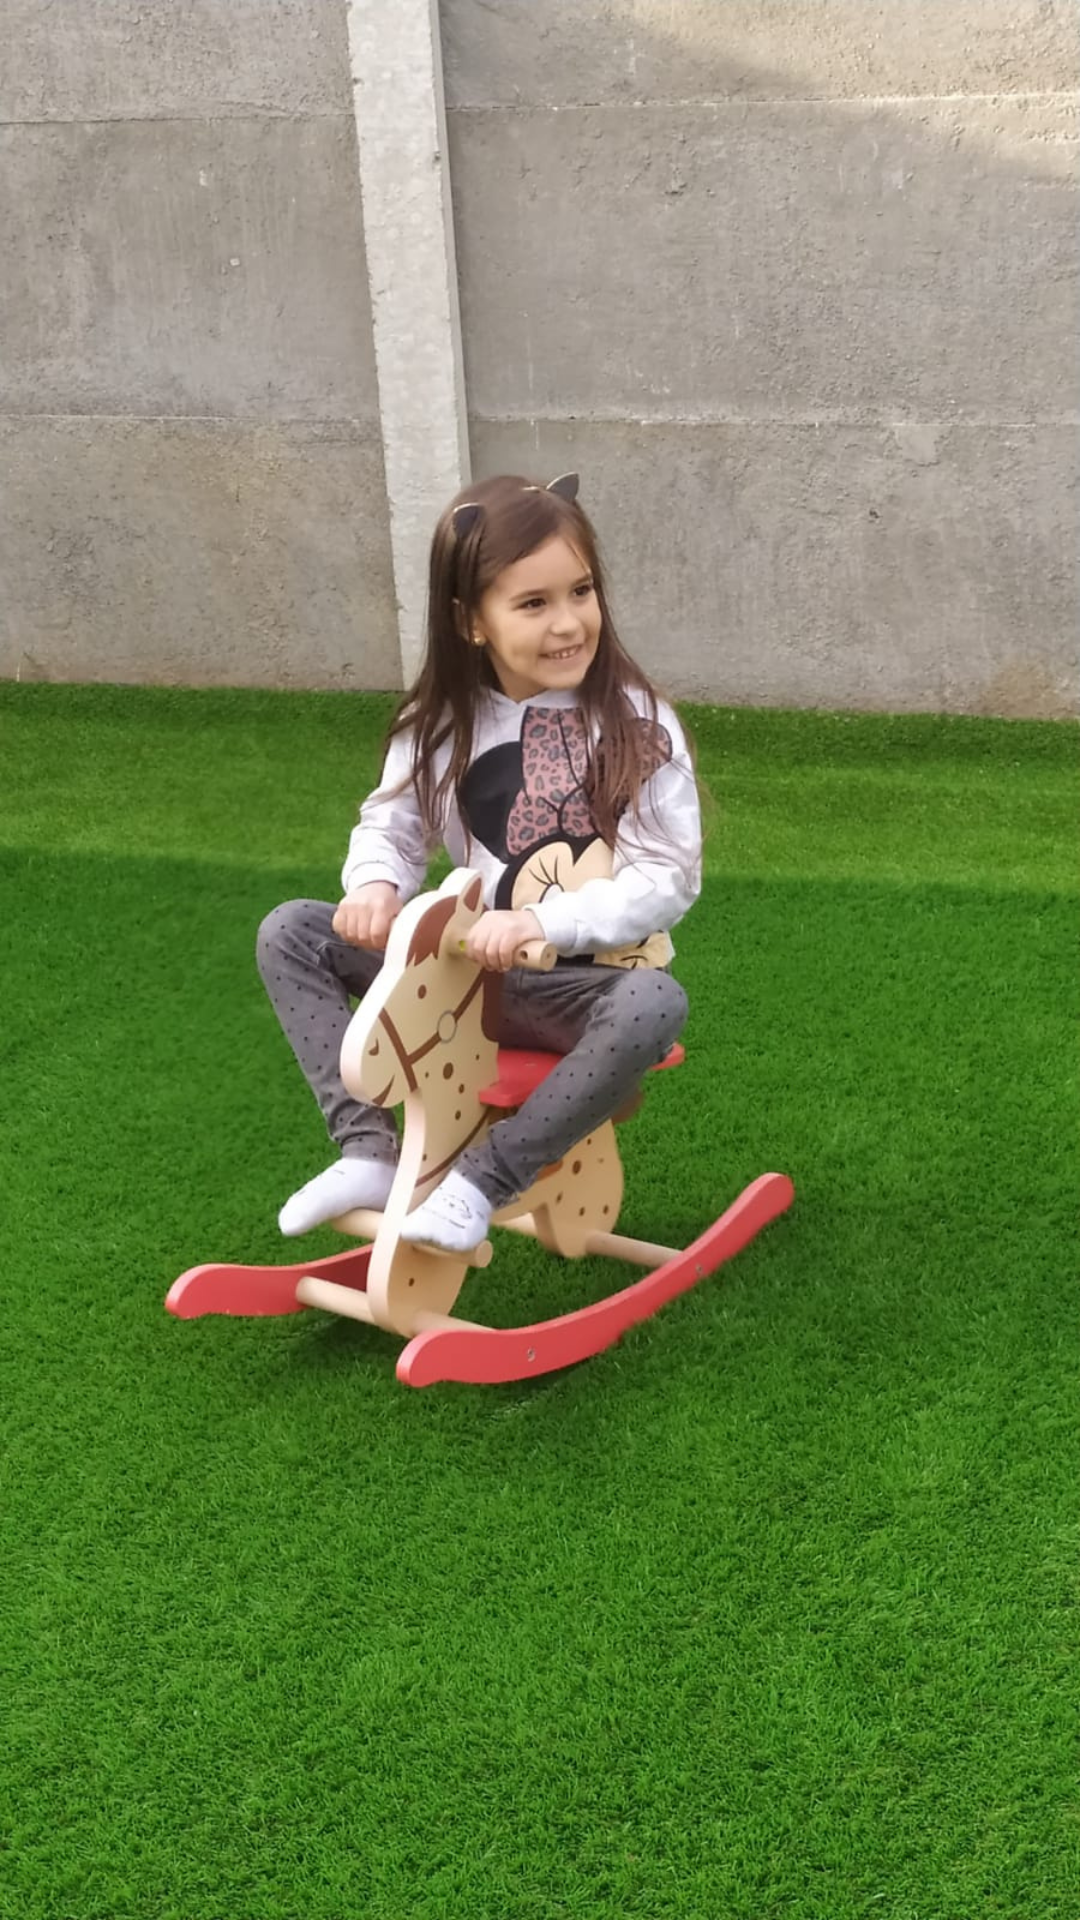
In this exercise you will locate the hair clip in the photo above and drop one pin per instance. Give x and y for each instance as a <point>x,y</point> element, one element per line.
<point>465,517</point>
<point>566,486</point>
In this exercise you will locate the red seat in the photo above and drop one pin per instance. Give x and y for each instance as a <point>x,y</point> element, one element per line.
<point>521,1071</point>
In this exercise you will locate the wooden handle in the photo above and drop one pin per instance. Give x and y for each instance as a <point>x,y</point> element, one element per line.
<point>539,955</point>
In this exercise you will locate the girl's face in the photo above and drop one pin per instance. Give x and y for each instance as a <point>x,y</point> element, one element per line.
<point>540,620</point>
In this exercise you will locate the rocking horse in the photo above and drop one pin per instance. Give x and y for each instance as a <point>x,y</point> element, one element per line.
<point>422,1037</point>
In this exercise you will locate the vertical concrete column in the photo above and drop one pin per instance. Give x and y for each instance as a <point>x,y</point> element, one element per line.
<point>409,238</point>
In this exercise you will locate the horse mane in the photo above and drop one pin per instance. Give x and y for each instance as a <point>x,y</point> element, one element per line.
<point>424,944</point>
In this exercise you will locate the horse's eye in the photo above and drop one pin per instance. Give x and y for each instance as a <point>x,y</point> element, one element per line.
<point>373,1049</point>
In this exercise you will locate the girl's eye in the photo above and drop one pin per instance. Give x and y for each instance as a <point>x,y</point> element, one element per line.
<point>528,605</point>
<point>584,591</point>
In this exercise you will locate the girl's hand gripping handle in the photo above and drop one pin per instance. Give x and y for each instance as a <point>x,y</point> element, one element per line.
<point>501,940</point>
<point>366,915</point>
<point>538,956</point>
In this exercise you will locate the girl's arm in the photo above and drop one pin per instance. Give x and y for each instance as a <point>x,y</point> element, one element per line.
<point>656,874</point>
<point>390,841</point>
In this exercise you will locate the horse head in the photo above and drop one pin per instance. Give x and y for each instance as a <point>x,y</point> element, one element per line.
<point>421,998</point>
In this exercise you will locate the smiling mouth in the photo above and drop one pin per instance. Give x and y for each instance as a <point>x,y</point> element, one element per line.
<point>566,653</point>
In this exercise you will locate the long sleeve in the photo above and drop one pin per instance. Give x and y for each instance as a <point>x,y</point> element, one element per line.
<point>389,841</point>
<point>656,871</point>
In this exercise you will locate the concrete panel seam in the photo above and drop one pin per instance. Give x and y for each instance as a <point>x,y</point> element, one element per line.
<point>179,119</point>
<point>745,102</point>
<point>828,417</point>
<point>811,421</point>
<point>254,421</point>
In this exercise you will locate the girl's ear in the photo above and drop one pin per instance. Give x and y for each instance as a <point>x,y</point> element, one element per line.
<point>462,625</point>
<point>566,486</point>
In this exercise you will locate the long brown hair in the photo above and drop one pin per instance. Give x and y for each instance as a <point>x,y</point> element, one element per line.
<point>517,517</point>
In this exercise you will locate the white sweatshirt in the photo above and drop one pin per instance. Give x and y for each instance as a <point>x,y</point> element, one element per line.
<point>533,840</point>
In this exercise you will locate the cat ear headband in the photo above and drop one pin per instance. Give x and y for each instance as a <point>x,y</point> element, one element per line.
<point>466,516</point>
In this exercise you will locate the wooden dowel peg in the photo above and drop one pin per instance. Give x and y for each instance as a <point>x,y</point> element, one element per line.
<point>641,1253</point>
<point>539,956</point>
<point>333,1298</point>
<point>480,1256</point>
<point>362,1222</point>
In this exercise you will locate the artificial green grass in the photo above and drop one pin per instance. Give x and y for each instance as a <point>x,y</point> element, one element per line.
<point>770,1611</point>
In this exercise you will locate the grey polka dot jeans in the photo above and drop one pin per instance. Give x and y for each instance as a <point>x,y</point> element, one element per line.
<point>611,1025</point>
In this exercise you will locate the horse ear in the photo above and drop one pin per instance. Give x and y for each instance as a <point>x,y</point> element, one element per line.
<point>428,932</point>
<point>466,908</point>
<point>461,909</point>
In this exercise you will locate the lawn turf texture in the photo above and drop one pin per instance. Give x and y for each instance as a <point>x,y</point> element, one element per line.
<point>770,1610</point>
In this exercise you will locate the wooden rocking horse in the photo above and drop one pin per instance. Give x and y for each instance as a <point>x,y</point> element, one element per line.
<point>422,1037</point>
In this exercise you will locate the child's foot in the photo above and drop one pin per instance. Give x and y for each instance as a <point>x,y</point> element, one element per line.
<point>348,1184</point>
<point>454,1218</point>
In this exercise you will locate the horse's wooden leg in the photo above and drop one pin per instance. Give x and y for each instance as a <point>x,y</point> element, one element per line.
<point>582,1194</point>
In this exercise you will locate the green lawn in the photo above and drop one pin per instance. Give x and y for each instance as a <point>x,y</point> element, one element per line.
<point>770,1611</point>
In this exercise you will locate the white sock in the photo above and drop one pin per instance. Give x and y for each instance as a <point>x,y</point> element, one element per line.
<point>347,1184</point>
<point>455,1217</point>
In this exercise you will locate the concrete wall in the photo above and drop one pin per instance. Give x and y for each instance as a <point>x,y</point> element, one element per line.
<point>793,282</point>
<point>795,286</point>
<point>189,426</point>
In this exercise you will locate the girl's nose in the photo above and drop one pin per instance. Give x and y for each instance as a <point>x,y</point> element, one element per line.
<point>566,622</point>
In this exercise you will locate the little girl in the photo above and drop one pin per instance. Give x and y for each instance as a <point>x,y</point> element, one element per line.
<point>539,754</point>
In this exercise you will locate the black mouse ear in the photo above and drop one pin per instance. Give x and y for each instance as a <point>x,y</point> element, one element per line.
<point>487,793</point>
<point>566,486</point>
<point>465,517</point>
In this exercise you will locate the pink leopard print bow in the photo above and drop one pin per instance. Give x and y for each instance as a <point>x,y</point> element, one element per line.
<point>555,760</point>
